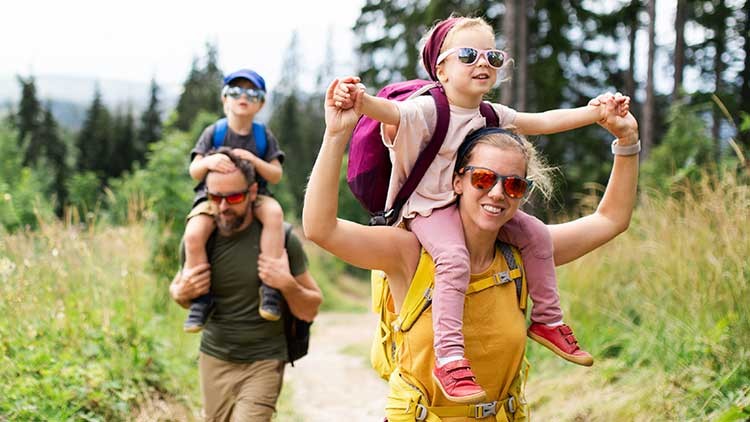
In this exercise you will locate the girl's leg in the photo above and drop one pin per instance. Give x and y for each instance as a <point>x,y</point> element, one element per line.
<point>270,214</point>
<point>442,236</point>
<point>532,237</point>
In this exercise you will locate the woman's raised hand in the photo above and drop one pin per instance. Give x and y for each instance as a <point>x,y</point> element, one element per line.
<point>622,125</point>
<point>337,119</point>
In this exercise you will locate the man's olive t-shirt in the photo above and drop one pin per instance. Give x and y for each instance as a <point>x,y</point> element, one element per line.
<point>236,332</point>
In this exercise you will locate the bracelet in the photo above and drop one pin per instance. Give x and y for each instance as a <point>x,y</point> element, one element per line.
<point>626,150</point>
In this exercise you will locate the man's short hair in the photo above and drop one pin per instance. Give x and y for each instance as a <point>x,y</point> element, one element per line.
<point>245,167</point>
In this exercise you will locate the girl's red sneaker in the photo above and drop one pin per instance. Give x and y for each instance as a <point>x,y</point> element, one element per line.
<point>560,339</point>
<point>458,383</point>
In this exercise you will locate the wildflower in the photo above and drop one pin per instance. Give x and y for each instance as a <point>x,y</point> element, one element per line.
<point>6,267</point>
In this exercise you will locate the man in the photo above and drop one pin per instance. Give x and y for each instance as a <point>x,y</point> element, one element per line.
<point>242,355</point>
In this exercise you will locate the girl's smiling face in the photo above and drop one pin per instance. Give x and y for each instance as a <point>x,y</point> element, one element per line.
<point>467,84</point>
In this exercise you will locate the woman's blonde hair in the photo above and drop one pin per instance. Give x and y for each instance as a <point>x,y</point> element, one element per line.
<point>537,169</point>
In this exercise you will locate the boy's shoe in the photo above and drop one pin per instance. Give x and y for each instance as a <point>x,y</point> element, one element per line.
<point>270,303</point>
<point>198,315</point>
<point>458,383</point>
<point>560,339</point>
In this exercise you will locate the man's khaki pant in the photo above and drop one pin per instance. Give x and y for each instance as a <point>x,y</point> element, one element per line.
<point>239,392</point>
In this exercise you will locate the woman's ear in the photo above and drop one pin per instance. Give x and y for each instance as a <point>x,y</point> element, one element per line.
<point>457,187</point>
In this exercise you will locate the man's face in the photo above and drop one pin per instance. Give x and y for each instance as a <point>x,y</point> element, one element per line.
<point>226,188</point>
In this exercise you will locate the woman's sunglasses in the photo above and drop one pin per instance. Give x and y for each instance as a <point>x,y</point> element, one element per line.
<point>469,56</point>
<point>231,198</point>
<point>485,179</point>
<point>253,95</point>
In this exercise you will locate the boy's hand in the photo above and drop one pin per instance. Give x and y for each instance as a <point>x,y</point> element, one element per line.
<point>243,154</point>
<point>220,163</point>
<point>620,102</point>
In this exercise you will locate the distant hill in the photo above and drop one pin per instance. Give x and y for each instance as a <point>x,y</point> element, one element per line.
<point>70,96</point>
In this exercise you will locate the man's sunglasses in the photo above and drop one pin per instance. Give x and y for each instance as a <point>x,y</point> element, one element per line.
<point>231,198</point>
<point>469,56</point>
<point>253,95</point>
<point>485,179</point>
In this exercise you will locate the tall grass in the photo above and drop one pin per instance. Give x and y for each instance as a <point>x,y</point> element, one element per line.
<point>79,335</point>
<point>666,309</point>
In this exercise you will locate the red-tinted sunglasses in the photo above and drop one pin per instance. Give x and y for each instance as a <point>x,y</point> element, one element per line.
<point>231,198</point>
<point>483,178</point>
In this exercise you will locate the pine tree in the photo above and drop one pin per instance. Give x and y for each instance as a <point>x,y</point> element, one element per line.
<point>95,139</point>
<point>55,152</point>
<point>150,129</point>
<point>123,151</point>
<point>201,90</point>
<point>28,121</point>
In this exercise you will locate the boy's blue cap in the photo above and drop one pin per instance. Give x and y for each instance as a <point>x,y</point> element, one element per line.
<point>248,74</point>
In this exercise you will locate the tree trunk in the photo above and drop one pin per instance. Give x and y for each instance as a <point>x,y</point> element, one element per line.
<point>630,75</point>
<point>719,46</point>
<point>679,47</point>
<point>649,108</point>
<point>745,90</point>
<point>523,53</point>
<point>509,32</point>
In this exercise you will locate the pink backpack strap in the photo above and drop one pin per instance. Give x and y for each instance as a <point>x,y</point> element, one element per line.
<point>490,116</point>
<point>426,157</point>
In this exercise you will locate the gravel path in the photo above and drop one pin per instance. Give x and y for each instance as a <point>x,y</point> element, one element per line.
<point>335,381</point>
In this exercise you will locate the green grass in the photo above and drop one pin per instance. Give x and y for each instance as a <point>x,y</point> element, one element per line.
<point>86,333</point>
<point>665,311</point>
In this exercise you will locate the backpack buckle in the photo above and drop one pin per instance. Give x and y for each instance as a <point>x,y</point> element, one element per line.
<point>482,410</point>
<point>383,218</point>
<point>421,413</point>
<point>502,278</point>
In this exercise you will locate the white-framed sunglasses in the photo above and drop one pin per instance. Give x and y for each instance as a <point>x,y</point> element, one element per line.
<point>469,55</point>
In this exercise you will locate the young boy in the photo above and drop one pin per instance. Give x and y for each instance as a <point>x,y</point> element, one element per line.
<point>243,95</point>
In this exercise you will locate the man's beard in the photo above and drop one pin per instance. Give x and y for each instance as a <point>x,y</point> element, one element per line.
<point>229,220</point>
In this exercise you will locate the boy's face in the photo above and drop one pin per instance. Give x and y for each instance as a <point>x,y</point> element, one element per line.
<point>241,107</point>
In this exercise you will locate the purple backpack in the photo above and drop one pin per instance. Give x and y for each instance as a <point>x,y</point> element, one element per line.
<point>369,168</point>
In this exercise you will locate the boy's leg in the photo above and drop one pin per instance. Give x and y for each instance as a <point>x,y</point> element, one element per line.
<point>532,237</point>
<point>270,214</point>
<point>200,225</point>
<point>442,236</point>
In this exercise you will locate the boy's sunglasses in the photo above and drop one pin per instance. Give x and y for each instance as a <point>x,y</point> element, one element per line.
<point>485,179</point>
<point>469,56</point>
<point>231,198</point>
<point>253,95</point>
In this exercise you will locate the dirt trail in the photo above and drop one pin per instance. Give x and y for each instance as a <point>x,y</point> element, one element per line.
<point>334,381</point>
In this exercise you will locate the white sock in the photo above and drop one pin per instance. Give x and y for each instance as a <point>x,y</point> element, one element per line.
<point>449,359</point>
<point>555,324</point>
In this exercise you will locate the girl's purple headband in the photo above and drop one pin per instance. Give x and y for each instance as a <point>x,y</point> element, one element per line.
<point>434,43</point>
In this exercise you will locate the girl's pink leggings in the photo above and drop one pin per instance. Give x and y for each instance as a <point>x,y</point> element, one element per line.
<point>442,236</point>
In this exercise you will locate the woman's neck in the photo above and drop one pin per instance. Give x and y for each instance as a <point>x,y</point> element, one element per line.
<point>481,247</point>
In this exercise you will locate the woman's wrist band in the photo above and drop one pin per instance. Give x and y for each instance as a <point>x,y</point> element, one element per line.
<point>618,149</point>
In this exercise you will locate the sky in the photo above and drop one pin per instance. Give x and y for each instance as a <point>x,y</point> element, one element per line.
<point>140,39</point>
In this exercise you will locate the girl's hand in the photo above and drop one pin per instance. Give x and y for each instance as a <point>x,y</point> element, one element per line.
<point>622,104</point>
<point>346,92</point>
<point>338,119</point>
<point>220,163</point>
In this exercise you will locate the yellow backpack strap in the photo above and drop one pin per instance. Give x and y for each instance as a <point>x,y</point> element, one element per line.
<point>419,296</point>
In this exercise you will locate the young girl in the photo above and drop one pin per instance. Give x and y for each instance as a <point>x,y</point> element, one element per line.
<point>243,96</point>
<point>460,54</point>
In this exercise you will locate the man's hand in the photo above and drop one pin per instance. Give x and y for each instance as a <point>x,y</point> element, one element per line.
<point>191,283</point>
<point>220,163</point>
<point>275,272</point>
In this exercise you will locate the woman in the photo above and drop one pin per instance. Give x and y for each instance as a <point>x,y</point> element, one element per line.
<point>483,211</point>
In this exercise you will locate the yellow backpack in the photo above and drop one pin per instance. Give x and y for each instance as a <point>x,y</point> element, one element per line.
<point>383,352</point>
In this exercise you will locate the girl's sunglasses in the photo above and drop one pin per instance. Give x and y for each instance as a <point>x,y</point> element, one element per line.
<point>253,95</point>
<point>231,198</point>
<point>485,179</point>
<point>469,56</point>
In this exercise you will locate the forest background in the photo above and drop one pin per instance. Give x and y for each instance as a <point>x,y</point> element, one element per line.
<point>118,175</point>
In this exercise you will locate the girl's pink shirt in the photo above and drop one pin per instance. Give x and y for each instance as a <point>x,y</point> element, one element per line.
<point>417,122</point>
